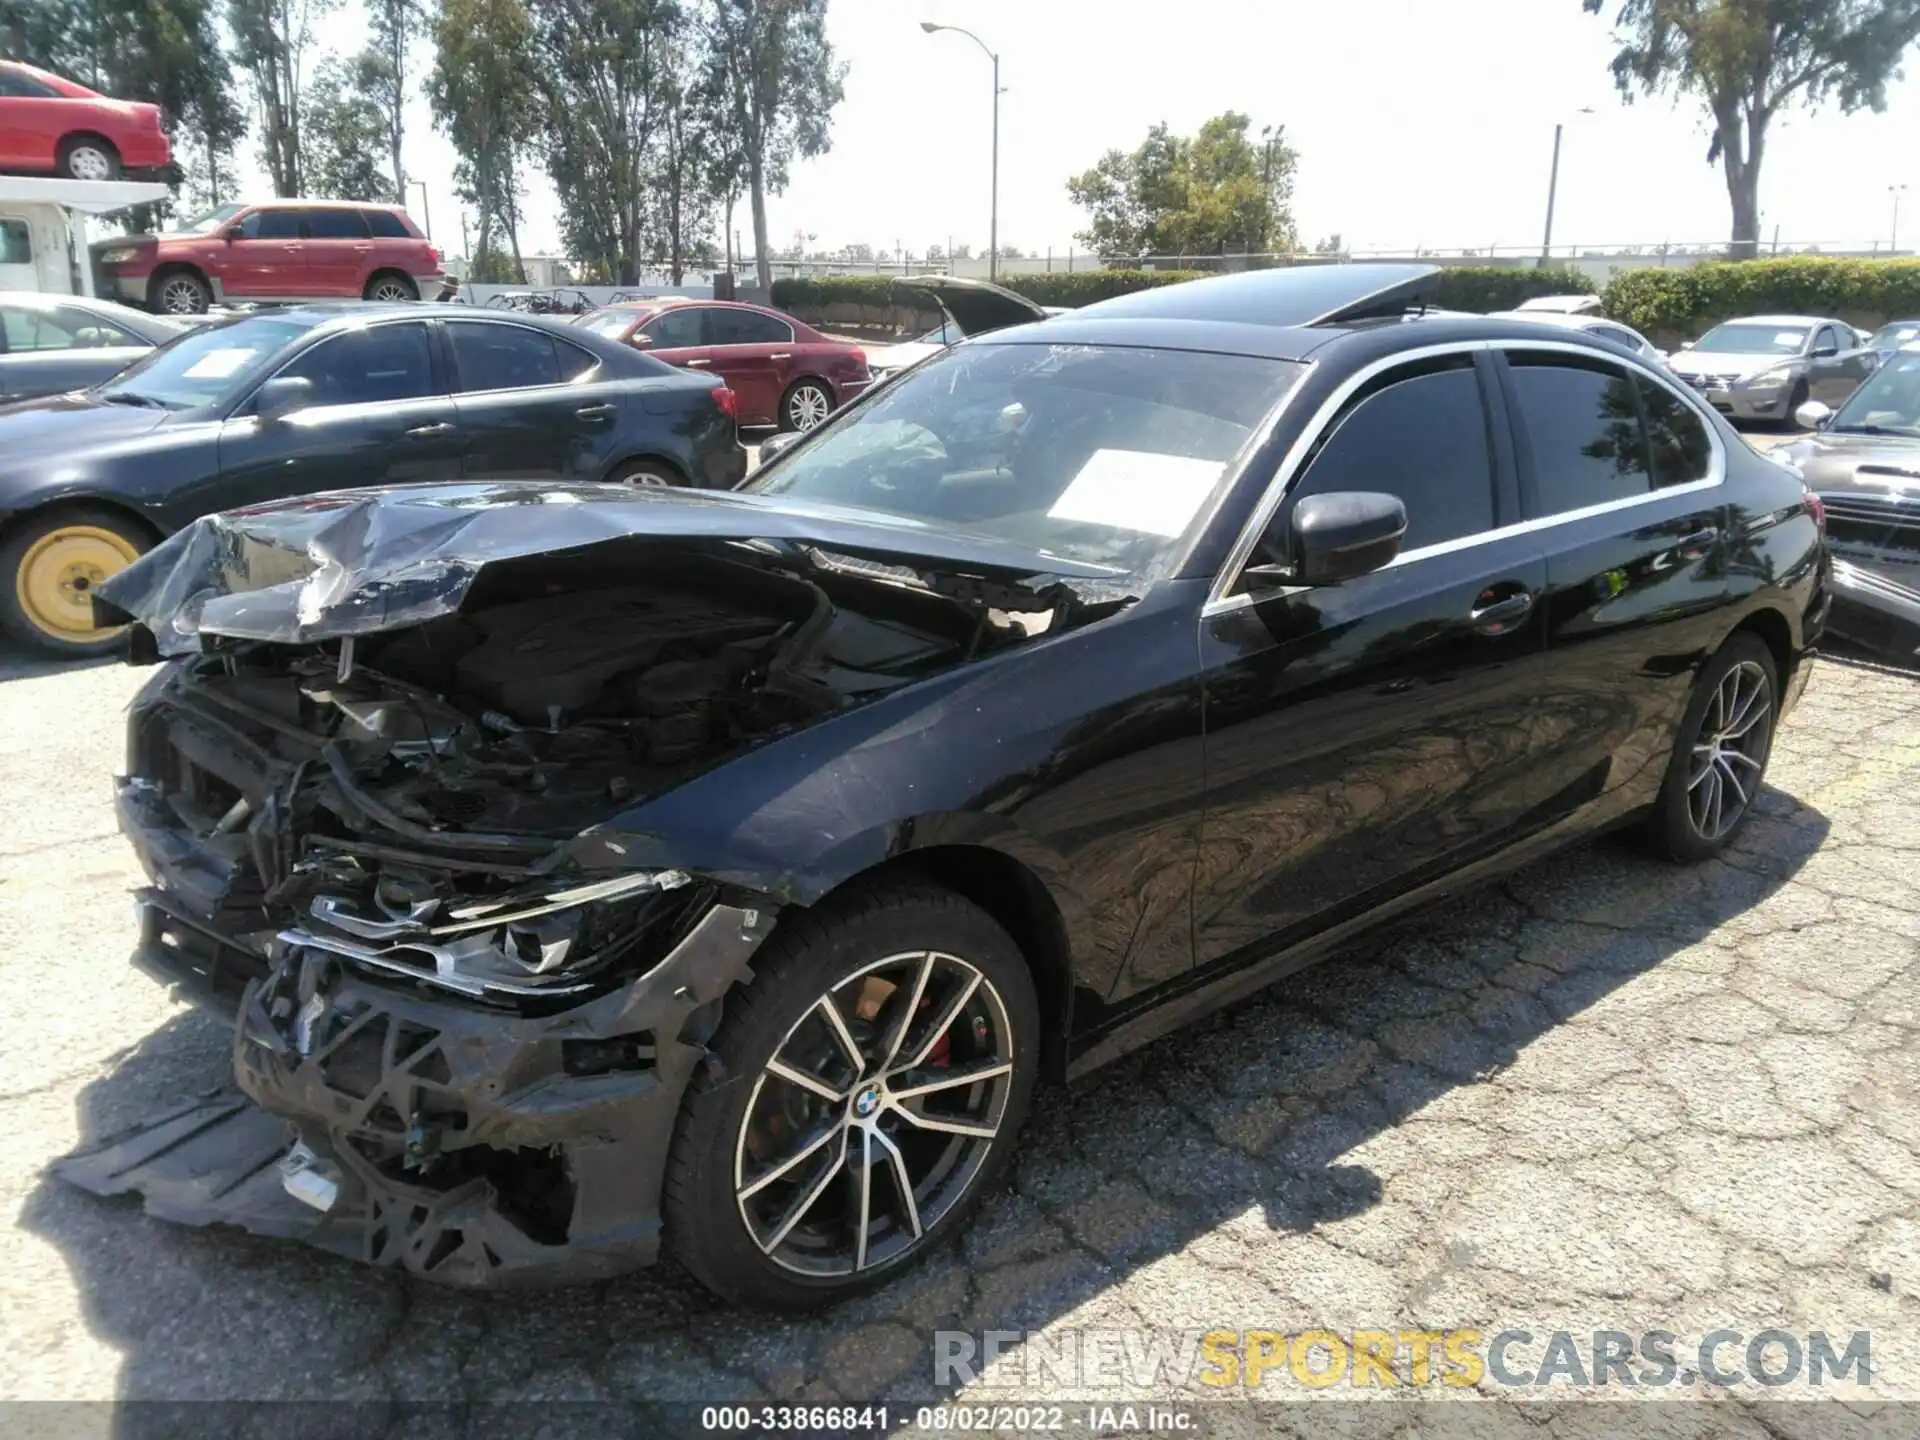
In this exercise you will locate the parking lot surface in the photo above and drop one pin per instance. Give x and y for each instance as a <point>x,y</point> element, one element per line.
<point>1607,1094</point>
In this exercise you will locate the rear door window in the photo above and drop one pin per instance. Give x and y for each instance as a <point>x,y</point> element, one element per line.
<point>502,357</point>
<point>1418,432</point>
<point>361,367</point>
<point>336,225</point>
<point>746,327</point>
<point>1578,421</point>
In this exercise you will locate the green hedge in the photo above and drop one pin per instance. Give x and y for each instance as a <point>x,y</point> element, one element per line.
<point>1690,299</point>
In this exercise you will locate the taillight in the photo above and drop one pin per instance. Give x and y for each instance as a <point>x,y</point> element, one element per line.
<point>860,360</point>
<point>728,402</point>
<point>1817,508</point>
<point>433,257</point>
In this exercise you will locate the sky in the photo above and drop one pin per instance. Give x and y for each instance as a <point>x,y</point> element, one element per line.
<point>1417,123</point>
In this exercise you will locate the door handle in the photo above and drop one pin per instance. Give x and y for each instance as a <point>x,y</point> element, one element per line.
<point>594,414</point>
<point>428,432</point>
<point>780,357</point>
<point>697,364</point>
<point>1695,545</point>
<point>1497,617</point>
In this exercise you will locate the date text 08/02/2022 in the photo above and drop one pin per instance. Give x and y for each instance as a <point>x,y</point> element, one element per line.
<point>879,1419</point>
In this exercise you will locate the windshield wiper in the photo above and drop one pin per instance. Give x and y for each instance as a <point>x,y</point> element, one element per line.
<point>1873,429</point>
<point>131,397</point>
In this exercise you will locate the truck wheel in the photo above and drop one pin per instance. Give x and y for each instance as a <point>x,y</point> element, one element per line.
<point>51,565</point>
<point>180,292</point>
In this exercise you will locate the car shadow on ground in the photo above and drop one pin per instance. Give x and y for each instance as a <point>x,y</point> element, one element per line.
<point>1204,1147</point>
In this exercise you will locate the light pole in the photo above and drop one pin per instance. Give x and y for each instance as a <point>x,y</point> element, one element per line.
<point>993,218</point>
<point>1893,245</point>
<point>426,210</point>
<point>1553,189</point>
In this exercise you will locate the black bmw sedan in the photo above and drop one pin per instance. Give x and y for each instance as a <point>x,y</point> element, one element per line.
<point>284,403</point>
<point>592,869</point>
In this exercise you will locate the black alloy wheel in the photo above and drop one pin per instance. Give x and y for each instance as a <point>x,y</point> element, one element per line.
<point>1721,753</point>
<point>880,1067</point>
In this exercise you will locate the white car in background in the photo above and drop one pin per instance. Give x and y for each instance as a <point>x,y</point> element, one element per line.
<point>1560,305</point>
<point>1622,335</point>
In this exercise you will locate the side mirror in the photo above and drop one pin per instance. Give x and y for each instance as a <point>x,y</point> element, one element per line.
<point>1813,416</point>
<point>640,340</point>
<point>1345,534</point>
<point>281,397</point>
<point>777,444</point>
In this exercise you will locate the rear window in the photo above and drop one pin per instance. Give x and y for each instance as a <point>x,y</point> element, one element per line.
<point>336,225</point>
<point>386,225</point>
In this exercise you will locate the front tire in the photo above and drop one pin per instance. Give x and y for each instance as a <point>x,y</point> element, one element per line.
<point>51,565</point>
<point>874,1077</point>
<point>1720,754</point>
<point>180,292</point>
<point>806,405</point>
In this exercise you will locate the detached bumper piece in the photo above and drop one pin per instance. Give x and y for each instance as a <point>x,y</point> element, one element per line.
<point>472,1146</point>
<point>1877,604</point>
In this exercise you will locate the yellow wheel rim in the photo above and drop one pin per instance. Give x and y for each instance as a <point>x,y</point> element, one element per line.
<point>58,575</point>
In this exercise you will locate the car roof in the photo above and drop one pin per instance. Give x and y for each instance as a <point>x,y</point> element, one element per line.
<point>283,204</point>
<point>1783,320</point>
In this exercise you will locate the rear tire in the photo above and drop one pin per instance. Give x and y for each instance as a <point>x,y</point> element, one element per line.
<point>655,473</point>
<point>766,1178</point>
<point>179,292</point>
<point>50,565</point>
<point>1720,754</point>
<point>806,405</point>
<point>87,157</point>
<point>389,287</point>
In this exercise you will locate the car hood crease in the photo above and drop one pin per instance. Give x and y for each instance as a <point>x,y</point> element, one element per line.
<point>350,563</point>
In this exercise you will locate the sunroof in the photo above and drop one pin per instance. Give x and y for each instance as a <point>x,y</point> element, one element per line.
<point>1297,295</point>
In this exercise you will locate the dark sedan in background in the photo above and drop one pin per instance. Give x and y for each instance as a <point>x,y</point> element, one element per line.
<point>53,343</point>
<point>281,404</point>
<point>1863,461</point>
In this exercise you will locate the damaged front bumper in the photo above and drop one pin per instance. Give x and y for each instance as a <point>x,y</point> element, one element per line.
<point>435,1135</point>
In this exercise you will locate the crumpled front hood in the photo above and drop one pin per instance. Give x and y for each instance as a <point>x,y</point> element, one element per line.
<point>355,562</point>
<point>1838,460</point>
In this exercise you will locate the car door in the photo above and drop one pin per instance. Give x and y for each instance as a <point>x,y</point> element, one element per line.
<point>337,246</point>
<point>754,354</point>
<point>380,414</point>
<point>45,350</point>
<point>677,335</point>
<point>1364,736</point>
<point>266,256</point>
<point>1838,365</point>
<point>1620,474</point>
<point>522,410</point>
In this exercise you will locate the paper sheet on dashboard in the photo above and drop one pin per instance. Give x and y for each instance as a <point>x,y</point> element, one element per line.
<point>1137,490</point>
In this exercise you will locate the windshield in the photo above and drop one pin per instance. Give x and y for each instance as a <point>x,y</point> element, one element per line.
<point>1892,337</point>
<point>1752,340</point>
<point>1887,404</point>
<point>614,324</point>
<point>1097,453</point>
<point>212,220</point>
<point>201,367</point>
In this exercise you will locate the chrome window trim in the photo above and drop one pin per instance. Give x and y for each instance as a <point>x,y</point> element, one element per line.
<point>1221,598</point>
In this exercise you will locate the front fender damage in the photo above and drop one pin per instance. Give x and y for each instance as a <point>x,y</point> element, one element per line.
<point>436,1136</point>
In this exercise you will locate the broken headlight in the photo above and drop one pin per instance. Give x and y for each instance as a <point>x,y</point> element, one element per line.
<point>538,941</point>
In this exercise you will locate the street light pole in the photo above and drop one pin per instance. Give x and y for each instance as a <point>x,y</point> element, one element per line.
<point>1553,190</point>
<point>993,216</point>
<point>426,208</point>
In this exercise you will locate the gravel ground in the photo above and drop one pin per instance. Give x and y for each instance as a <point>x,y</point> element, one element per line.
<point>1607,1094</point>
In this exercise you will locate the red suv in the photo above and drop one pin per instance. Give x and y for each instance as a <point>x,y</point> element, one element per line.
<point>51,126</point>
<point>785,373</point>
<point>284,250</point>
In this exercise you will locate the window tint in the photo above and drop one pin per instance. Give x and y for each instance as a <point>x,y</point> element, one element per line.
<point>16,243</point>
<point>21,87</point>
<point>387,225</point>
<point>1420,433</point>
<point>271,225</point>
<point>502,357</point>
<point>574,362</point>
<point>746,327</point>
<point>1681,450</point>
<point>682,325</point>
<point>336,225</point>
<point>1582,426</point>
<point>63,328</point>
<point>382,362</point>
